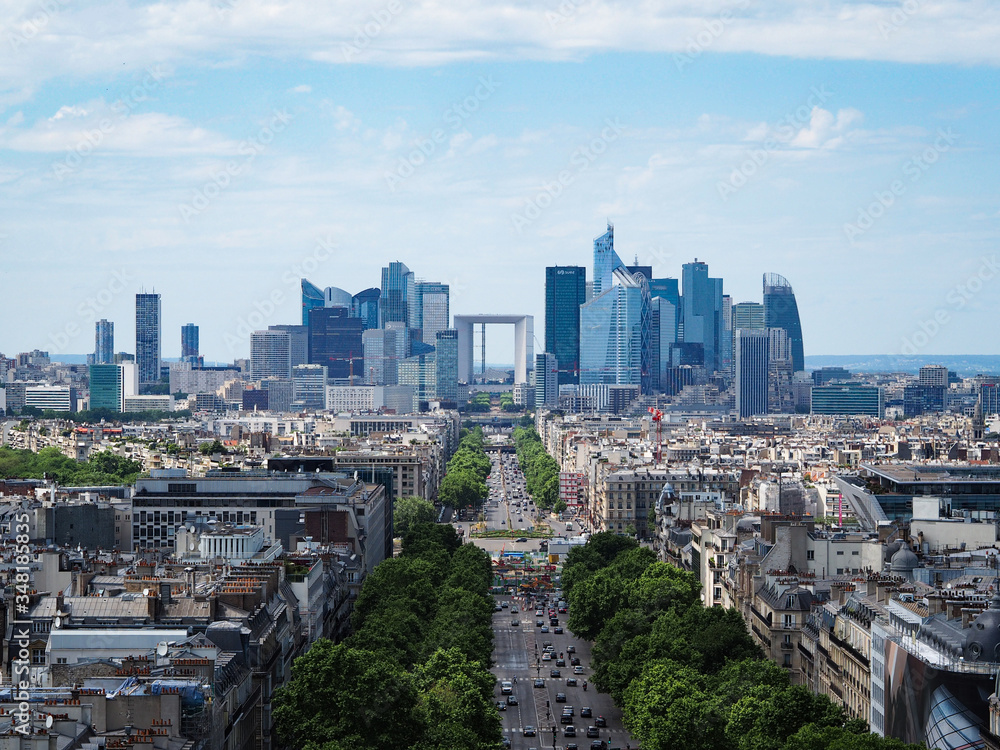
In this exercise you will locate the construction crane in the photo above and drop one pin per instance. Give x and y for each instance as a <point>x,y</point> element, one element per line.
<point>658,421</point>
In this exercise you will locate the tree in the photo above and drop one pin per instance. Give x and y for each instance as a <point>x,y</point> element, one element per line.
<point>668,707</point>
<point>455,704</point>
<point>411,510</point>
<point>764,718</point>
<point>461,489</point>
<point>207,449</point>
<point>559,507</point>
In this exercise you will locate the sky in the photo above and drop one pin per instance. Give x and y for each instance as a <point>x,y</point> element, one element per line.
<point>216,151</point>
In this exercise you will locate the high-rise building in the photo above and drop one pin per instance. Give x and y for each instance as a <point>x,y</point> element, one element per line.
<point>726,339</point>
<point>780,396</point>
<point>110,384</point>
<point>546,380</point>
<point>335,341</point>
<point>279,393</point>
<point>336,297</point>
<point>270,355</point>
<point>420,372</point>
<point>147,337</point>
<point>298,342</point>
<point>309,387</point>
<point>850,399</point>
<point>749,315</point>
<point>701,315</point>
<point>189,342</point>
<point>662,339</point>
<point>752,365</point>
<point>565,291</point>
<point>605,261</point>
<point>364,305</point>
<point>312,297</point>
<point>446,370</point>
<point>781,311</point>
<point>104,342</point>
<point>397,293</point>
<point>432,312</point>
<point>933,375</point>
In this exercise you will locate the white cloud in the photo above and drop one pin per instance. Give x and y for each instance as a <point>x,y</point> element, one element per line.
<point>825,130</point>
<point>303,88</point>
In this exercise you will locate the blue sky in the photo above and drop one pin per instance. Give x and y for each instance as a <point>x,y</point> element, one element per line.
<point>216,150</point>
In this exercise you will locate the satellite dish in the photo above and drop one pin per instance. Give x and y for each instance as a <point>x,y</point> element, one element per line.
<point>48,721</point>
<point>145,592</point>
<point>161,648</point>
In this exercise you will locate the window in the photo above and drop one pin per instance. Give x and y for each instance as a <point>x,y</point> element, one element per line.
<point>856,552</point>
<point>810,554</point>
<point>38,657</point>
<point>61,660</point>
<point>788,661</point>
<point>840,551</point>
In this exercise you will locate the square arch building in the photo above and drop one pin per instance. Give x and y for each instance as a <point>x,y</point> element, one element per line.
<point>524,337</point>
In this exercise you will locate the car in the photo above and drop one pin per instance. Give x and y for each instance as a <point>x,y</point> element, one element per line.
<point>574,661</point>
<point>506,687</point>
<point>513,610</point>
<point>539,683</point>
<point>529,731</point>
<point>497,607</point>
<point>569,710</point>
<point>511,700</point>
<point>515,623</point>
<point>546,656</point>
<point>560,697</point>
<point>506,741</point>
<point>586,712</point>
<point>601,721</point>
<point>566,719</point>
<point>572,746</point>
<point>558,631</point>
<point>562,610</point>
<point>553,621</point>
<point>570,682</point>
<point>555,673</point>
<point>545,628</point>
<point>571,649</point>
<point>593,731</point>
<point>538,613</point>
<point>501,706</point>
<point>538,623</point>
<point>560,662</point>
<point>578,669</point>
<point>569,731</point>
<point>596,745</point>
<point>521,538</point>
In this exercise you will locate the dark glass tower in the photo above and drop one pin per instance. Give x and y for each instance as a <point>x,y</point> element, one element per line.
<point>781,311</point>
<point>565,291</point>
<point>189,342</point>
<point>104,342</point>
<point>312,297</point>
<point>335,341</point>
<point>147,337</point>
<point>398,288</point>
<point>365,306</point>
<point>701,313</point>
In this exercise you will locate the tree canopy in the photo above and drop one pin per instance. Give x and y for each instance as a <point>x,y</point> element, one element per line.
<point>408,511</point>
<point>102,468</point>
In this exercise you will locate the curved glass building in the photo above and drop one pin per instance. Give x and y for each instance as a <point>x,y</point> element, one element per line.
<point>312,297</point>
<point>781,311</point>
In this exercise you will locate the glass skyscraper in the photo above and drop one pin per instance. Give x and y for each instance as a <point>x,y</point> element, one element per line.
<point>397,294</point>
<point>781,311</point>
<point>104,342</point>
<point>312,297</point>
<point>270,355</point>
<point>606,261</point>
<point>432,312</point>
<point>335,342</point>
<point>446,373</point>
<point>702,314</point>
<point>147,337</point>
<point>189,342</point>
<point>611,337</point>
<point>752,365</point>
<point>364,305</point>
<point>565,291</point>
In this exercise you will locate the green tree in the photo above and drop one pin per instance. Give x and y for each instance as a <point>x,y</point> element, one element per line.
<point>461,489</point>
<point>207,449</point>
<point>411,510</point>
<point>668,707</point>
<point>764,718</point>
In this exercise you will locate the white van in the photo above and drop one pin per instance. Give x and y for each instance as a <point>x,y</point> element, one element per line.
<point>569,526</point>
<point>506,688</point>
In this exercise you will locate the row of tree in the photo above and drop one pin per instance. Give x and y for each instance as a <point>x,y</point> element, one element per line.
<point>102,468</point>
<point>415,672</point>
<point>685,675</point>
<point>464,483</point>
<point>541,472</point>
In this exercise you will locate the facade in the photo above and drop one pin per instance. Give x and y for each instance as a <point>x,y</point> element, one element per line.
<point>279,393</point>
<point>849,399</point>
<point>546,381</point>
<point>781,311</point>
<point>364,305</point>
<point>524,336</point>
<point>147,337</point>
<point>309,387</point>
<point>420,372</point>
<point>934,376</point>
<point>702,312</point>
<point>748,315</point>
<point>565,291</point>
<point>104,342</point>
<point>111,384</point>
<point>312,297</point>
<point>611,337</point>
<point>335,341</point>
<point>189,342</point>
<point>446,364</point>
<point>752,367</point>
<point>336,297</point>
<point>397,292</point>
<point>432,312</point>
<point>298,342</point>
<point>54,397</point>
<point>605,262</point>
<point>270,355</point>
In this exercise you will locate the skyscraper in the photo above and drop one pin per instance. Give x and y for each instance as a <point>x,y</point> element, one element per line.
<point>546,380</point>
<point>335,342</point>
<point>781,311</point>
<point>701,315</point>
<point>752,359</point>
<point>364,305</point>
<point>270,355</point>
<point>147,337</point>
<point>110,384</point>
<point>336,297</point>
<point>104,342</point>
<point>748,315</point>
<point>432,309</point>
<point>312,297</point>
<point>397,292</point>
<point>565,291</point>
<point>298,342</point>
<point>605,261</point>
<point>189,342</point>
<point>446,372</point>
<point>309,387</point>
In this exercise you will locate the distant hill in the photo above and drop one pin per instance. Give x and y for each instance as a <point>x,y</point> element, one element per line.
<point>965,365</point>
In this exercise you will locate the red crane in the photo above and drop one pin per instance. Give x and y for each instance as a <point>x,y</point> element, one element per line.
<point>658,421</point>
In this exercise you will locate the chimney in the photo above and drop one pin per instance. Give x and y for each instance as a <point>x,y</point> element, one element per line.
<point>165,593</point>
<point>60,602</point>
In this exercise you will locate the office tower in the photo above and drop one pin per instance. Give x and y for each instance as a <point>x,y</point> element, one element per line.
<point>309,387</point>
<point>298,342</point>
<point>147,337</point>
<point>605,261</point>
<point>565,291</point>
<point>701,315</point>
<point>849,399</point>
<point>189,343</point>
<point>432,312</point>
<point>255,400</point>
<point>780,396</point>
<point>419,371</point>
<point>933,375</point>
<point>446,370</point>
<point>749,315</point>
<point>636,269</point>
<point>312,297</point>
<point>752,360</point>
<point>364,305</point>
<point>397,293</point>
<point>375,343</point>
<point>279,393</point>
<point>104,342</point>
<point>110,384</point>
<point>335,341</point>
<point>336,297</point>
<point>270,355</point>
<point>611,337</point>
<point>781,311</point>
<point>726,338</point>
<point>546,380</point>
<point>662,339</point>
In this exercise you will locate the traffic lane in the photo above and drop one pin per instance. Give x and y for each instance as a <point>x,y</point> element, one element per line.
<point>512,663</point>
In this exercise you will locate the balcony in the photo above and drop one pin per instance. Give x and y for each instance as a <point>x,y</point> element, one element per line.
<point>787,646</point>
